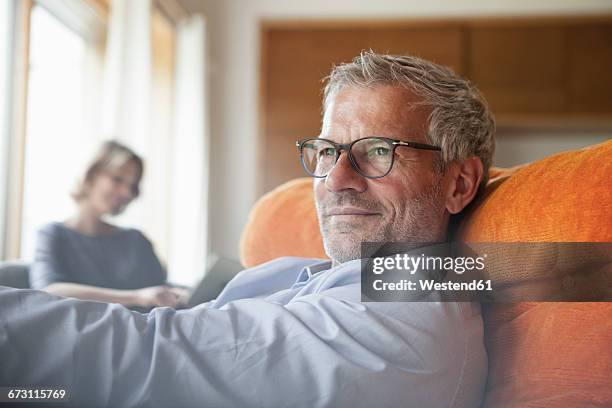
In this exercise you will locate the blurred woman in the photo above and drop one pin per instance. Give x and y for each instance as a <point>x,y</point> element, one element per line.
<point>88,258</point>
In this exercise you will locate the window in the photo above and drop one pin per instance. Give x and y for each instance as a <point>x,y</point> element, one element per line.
<point>88,70</point>
<point>55,134</point>
<point>6,18</point>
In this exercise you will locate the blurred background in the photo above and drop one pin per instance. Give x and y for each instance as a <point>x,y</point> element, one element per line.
<point>213,94</point>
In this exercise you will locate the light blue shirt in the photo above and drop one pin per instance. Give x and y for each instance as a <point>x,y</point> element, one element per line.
<point>289,333</point>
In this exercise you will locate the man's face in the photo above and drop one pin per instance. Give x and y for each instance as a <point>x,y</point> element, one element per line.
<point>405,205</point>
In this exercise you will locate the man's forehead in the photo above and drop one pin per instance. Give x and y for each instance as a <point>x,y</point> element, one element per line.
<point>388,109</point>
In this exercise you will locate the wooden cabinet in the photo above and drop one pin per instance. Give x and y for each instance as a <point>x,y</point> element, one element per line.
<point>543,70</point>
<point>589,69</point>
<point>519,69</point>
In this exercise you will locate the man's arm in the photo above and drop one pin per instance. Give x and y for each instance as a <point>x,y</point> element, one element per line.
<point>317,351</point>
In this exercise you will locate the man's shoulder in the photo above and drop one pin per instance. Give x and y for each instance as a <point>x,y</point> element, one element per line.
<point>296,259</point>
<point>287,262</point>
<point>283,269</point>
<point>265,279</point>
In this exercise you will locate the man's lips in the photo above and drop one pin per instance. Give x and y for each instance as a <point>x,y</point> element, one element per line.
<point>349,211</point>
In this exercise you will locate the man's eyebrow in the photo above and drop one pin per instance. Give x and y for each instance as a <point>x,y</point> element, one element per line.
<point>329,137</point>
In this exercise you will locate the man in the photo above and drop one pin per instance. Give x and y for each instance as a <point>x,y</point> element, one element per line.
<point>404,145</point>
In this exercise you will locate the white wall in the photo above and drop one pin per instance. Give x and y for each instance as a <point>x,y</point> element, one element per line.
<point>233,39</point>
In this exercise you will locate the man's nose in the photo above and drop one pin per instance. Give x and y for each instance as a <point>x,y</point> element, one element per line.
<point>344,177</point>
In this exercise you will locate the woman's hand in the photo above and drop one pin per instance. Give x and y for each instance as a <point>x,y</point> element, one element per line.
<point>162,295</point>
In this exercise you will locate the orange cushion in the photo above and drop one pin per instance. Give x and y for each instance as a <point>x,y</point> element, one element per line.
<point>563,198</point>
<point>548,354</point>
<point>283,223</point>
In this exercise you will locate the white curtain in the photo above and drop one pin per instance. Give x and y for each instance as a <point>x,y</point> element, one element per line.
<point>159,110</point>
<point>6,35</point>
<point>190,182</point>
<point>128,72</point>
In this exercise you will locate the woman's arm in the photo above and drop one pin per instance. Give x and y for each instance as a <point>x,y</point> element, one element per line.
<point>146,297</point>
<point>49,267</point>
<point>51,273</point>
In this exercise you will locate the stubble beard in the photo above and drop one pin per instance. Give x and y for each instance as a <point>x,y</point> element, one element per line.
<point>420,224</point>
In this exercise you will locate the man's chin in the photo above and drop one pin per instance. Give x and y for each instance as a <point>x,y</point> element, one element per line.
<point>343,250</point>
<point>342,240</point>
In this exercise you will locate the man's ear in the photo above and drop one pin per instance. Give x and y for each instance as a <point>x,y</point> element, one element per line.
<point>464,178</point>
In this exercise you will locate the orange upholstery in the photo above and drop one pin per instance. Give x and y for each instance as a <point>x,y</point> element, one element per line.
<point>548,354</point>
<point>282,223</point>
<point>540,354</point>
<point>563,198</point>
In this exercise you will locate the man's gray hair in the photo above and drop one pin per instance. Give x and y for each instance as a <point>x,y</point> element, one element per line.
<point>460,121</point>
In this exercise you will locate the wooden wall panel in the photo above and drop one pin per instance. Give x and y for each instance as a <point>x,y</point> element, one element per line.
<point>297,62</point>
<point>442,45</point>
<point>519,69</point>
<point>590,69</point>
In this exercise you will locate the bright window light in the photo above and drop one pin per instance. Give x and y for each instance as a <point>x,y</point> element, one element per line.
<point>55,136</point>
<point>6,15</point>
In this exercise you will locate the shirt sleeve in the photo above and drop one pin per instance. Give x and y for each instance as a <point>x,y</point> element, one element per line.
<point>319,351</point>
<point>47,267</point>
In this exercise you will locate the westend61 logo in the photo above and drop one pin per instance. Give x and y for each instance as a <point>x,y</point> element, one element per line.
<point>412,264</point>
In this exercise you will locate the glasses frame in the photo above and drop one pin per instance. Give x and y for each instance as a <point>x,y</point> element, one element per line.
<point>393,143</point>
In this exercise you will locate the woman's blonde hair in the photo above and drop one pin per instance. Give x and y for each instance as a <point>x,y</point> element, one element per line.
<point>110,157</point>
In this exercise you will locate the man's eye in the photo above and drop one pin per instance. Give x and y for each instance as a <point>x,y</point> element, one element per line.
<point>328,151</point>
<point>379,152</point>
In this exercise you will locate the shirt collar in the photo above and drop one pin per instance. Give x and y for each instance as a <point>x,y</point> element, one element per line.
<point>311,270</point>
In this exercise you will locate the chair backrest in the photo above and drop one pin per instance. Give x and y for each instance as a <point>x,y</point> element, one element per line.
<point>282,223</point>
<point>548,353</point>
<point>15,274</point>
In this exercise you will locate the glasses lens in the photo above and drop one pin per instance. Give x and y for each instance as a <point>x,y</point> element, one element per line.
<point>373,156</point>
<point>318,157</point>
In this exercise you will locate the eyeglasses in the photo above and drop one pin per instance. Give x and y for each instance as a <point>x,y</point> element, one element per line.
<point>371,157</point>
